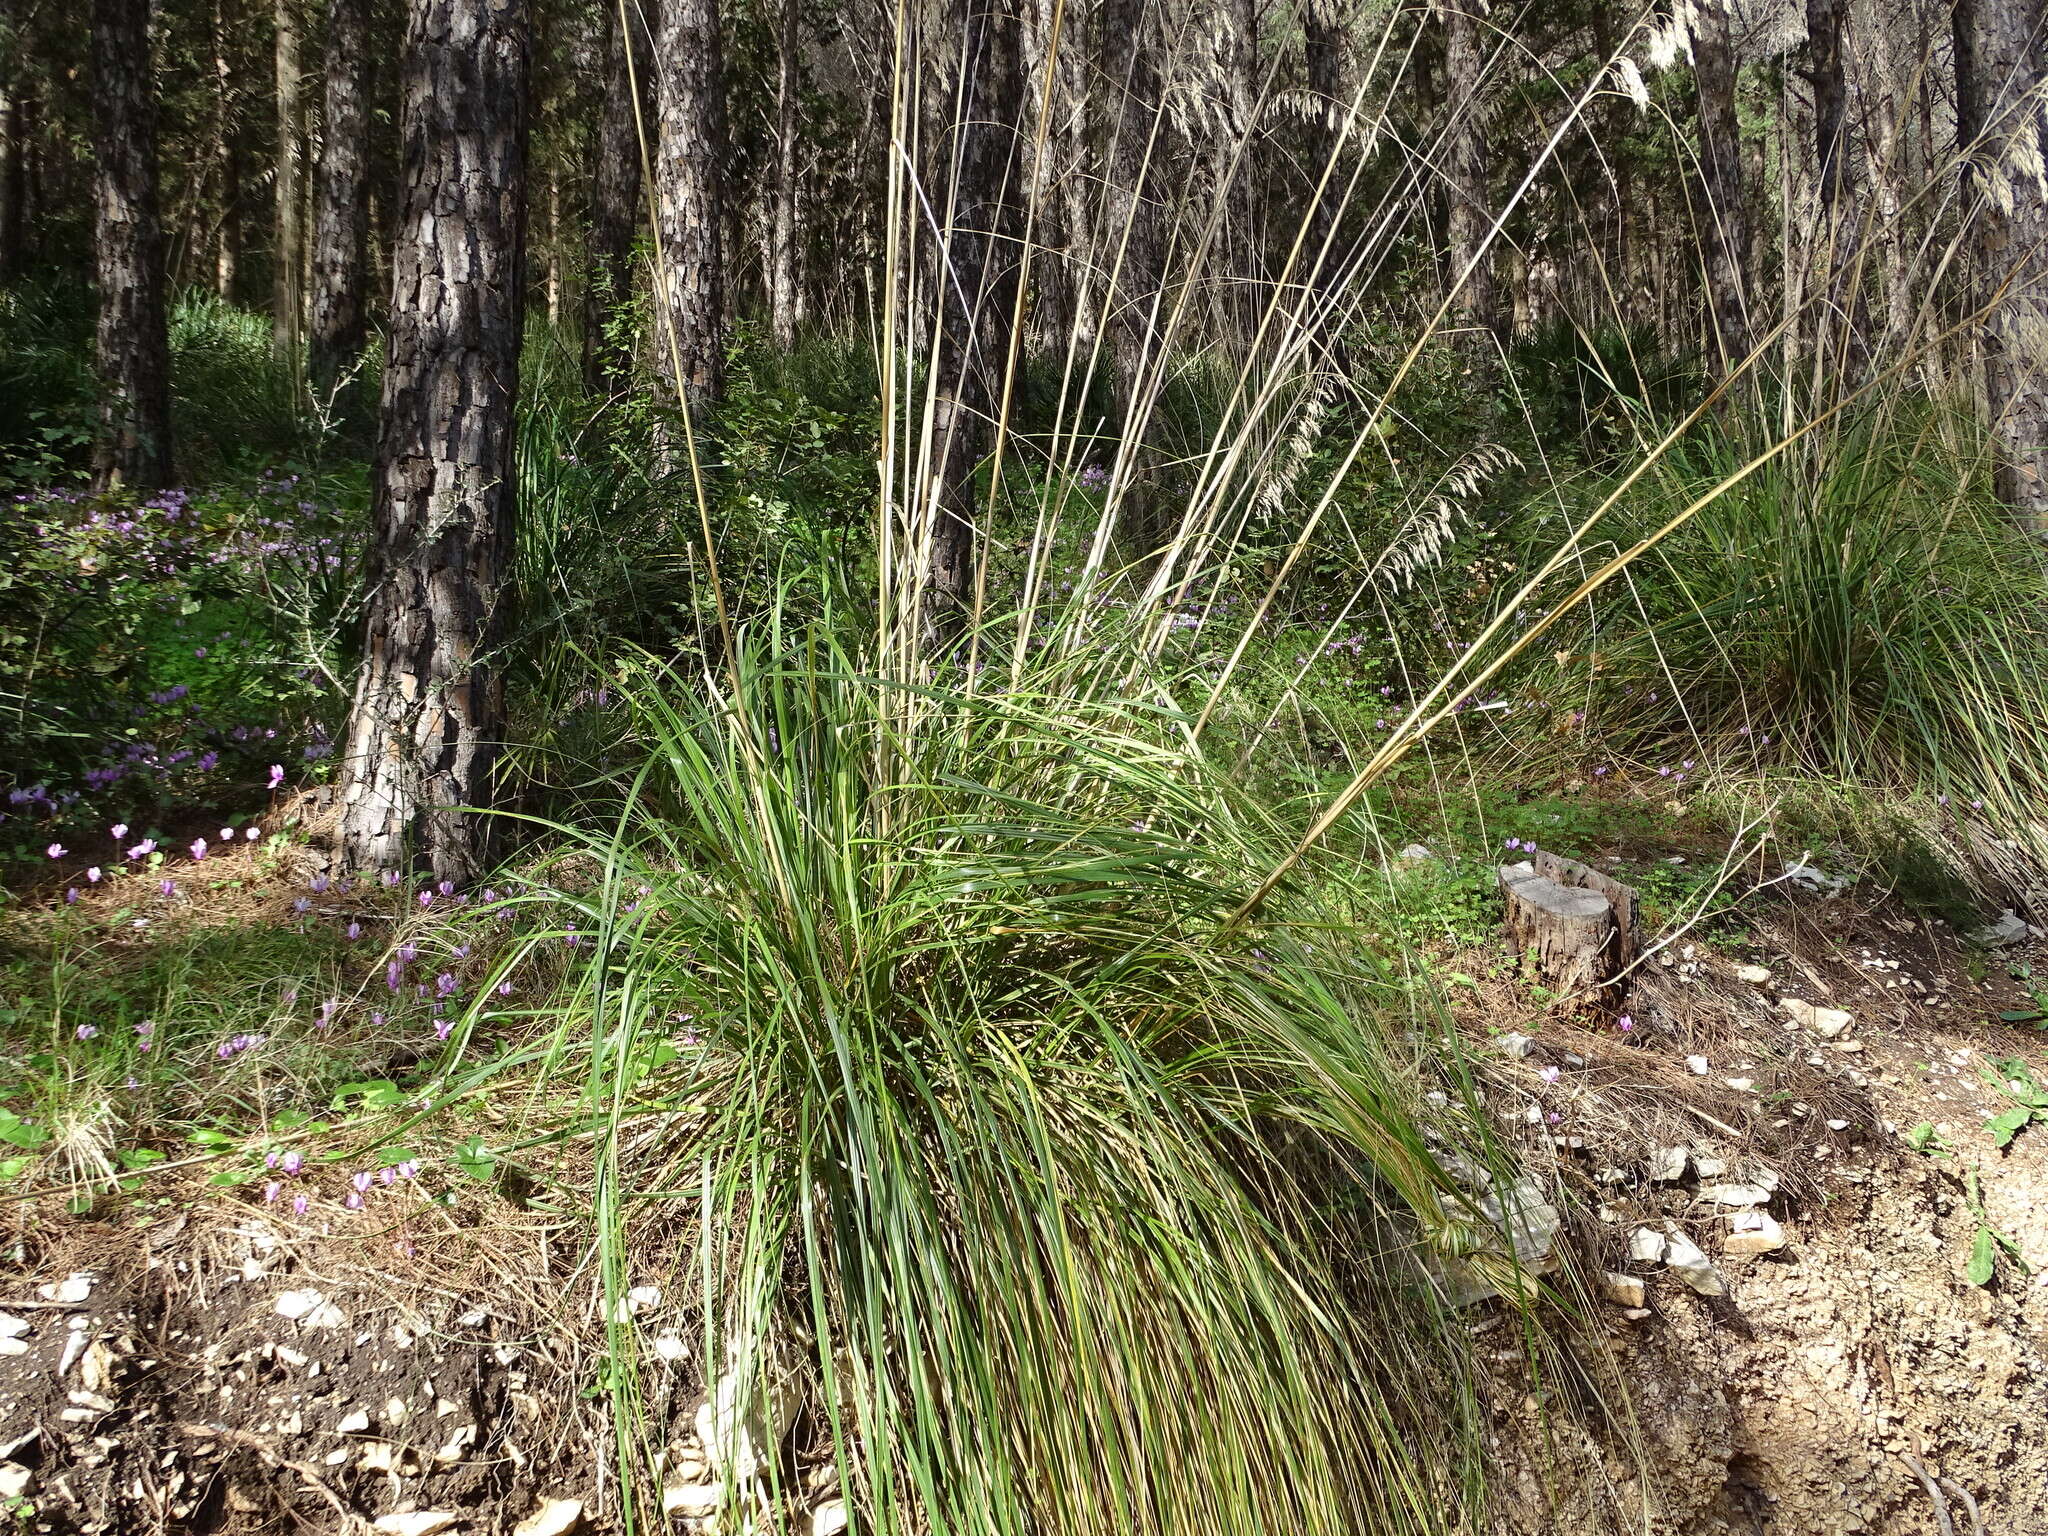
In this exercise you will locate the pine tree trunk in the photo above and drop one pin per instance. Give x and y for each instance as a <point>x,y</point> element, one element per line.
<point>977,301</point>
<point>429,714</point>
<point>133,347</point>
<point>287,299</point>
<point>1054,56</point>
<point>785,292</point>
<point>1323,264</point>
<point>227,240</point>
<point>13,140</point>
<point>1241,240</point>
<point>689,176</point>
<point>1132,243</point>
<point>1725,237</point>
<point>614,209</point>
<point>1469,221</point>
<point>2002,123</point>
<point>341,218</point>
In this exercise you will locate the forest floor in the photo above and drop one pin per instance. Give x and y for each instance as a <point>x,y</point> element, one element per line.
<point>184,1357</point>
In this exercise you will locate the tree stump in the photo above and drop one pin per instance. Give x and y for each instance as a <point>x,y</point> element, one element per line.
<point>1569,936</point>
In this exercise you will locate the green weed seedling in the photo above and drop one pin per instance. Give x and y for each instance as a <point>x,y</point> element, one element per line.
<point>2012,1078</point>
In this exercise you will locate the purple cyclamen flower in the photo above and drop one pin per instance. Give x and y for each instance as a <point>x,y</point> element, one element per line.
<point>292,1162</point>
<point>93,874</point>
<point>71,896</point>
<point>276,775</point>
<point>445,984</point>
<point>55,850</point>
<point>355,930</point>
<point>389,877</point>
<point>387,1175</point>
<point>353,1200</point>
<point>394,973</point>
<point>302,905</point>
<point>198,848</point>
<point>227,834</point>
<point>119,829</point>
<point>319,885</point>
<point>167,887</point>
<point>1625,1023</point>
<point>362,1180</point>
<point>252,833</point>
<point>85,1031</point>
<point>426,899</point>
<point>442,1028</point>
<point>271,1191</point>
<point>1548,1074</point>
<point>299,1204</point>
<point>143,849</point>
<point>504,989</point>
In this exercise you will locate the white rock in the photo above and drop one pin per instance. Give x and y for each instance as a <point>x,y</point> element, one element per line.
<point>70,1291</point>
<point>1740,1084</point>
<point>309,1309</point>
<point>829,1518</point>
<point>1753,1232</point>
<point>419,1522</point>
<point>641,1298</point>
<point>555,1517</point>
<point>1696,1065</point>
<point>1646,1245</point>
<point>12,1327</point>
<point>1692,1266</point>
<point>2010,928</point>
<point>1709,1167</point>
<point>1808,878</point>
<point>1416,853</point>
<point>743,1422</point>
<point>15,1481</point>
<point>671,1346</point>
<point>1517,1046</point>
<point>13,1347</point>
<point>1737,1194</point>
<point>693,1501</point>
<point>354,1424</point>
<point>1622,1290</point>
<point>1838,1125</point>
<point>1668,1164</point>
<point>1825,1022</point>
<point>1755,975</point>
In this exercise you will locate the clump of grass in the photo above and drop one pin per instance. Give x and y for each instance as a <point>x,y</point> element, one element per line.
<point>1069,1209</point>
<point>1859,612</point>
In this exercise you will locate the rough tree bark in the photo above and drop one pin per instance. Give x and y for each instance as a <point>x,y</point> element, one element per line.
<point>1053,51</point>
<point>2002,128</point>
<point>1469,219</point>
<point>614,208</point>
<point>341,211</point>
<point>1132,242</point>
<point>689,176</point>
<point>977,299</point>
<point>1724,237</point>
<point>429,710</point>
<point>13,139</point>
<point>785,289</point>
<point>133,347</point>
<point>287,297</point>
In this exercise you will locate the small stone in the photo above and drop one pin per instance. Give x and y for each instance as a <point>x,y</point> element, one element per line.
<point>12,1327</point>
<point>418,1522</point>
<point>1622,1290</point>
<point>1517,1046</point>
<point>1737,1194</point>
<point>1635,1314</point>
<point>1668,1164</point>
<point>1740,1084</point>
<point>693,1501</point>
<point>1838,1125</point>
<point>69,1291</point>
<point>671,1347</point>
<point>1825,1022</point>
<point>309,1309</point>
<point>13,1347</point>
<point>1646,1245</point>
<point>1808,877</point>
<point>1753,1232</point>
<point>1417,853</point>
<point>555,1517</point>
<point>1755,975</point>
<point>1696,1065</point>
<point>1849,1046</point>
<point>829,1518</point>
<point>354,1424</point>
<point>16,1481</point>
<point>2010,929</point>
<point>1692,1266</point>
